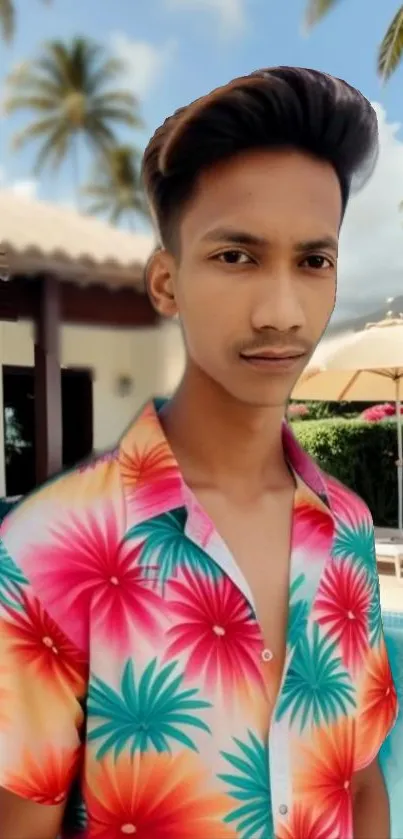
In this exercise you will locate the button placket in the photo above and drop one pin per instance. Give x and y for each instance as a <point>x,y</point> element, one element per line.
<point>280,768</point>
<point>279,756</point>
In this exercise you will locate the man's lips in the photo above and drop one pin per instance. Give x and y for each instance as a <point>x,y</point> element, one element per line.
<point>269,360</point>
<point>270,355</point>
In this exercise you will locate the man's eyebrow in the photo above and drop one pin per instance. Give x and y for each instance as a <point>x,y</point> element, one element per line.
<point>235,237</point>
<point>323,243</point>
<point>242,237</point>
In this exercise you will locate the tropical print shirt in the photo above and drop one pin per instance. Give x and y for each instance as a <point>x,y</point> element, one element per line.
<point>134,680</point>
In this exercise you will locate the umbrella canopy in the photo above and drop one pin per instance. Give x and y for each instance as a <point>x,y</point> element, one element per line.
<point>364,367</point>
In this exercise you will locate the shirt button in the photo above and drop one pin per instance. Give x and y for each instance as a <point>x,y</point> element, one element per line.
<point>283,809</point>
<point>267,655</point>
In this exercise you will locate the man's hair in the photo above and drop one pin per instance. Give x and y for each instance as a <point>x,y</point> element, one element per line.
<point>275,108</point>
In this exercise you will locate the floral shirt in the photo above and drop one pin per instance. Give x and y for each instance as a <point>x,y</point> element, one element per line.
<point>134,680</point>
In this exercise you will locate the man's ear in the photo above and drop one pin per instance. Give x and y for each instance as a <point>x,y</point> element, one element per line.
<point>160,282</point>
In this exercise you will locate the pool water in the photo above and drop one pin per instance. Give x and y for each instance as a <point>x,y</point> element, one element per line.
<point>391,756</point>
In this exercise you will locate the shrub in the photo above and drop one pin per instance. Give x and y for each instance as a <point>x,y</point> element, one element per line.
<point>360,454</point>
<point>318,410</point>
<point>379,412</point>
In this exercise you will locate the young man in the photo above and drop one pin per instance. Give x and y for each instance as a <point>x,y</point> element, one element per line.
<point>190,631</point>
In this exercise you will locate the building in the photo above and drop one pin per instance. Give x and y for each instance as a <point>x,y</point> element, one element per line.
<point>81,347</point>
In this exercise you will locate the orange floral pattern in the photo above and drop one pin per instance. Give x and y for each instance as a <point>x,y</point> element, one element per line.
<point>159,796</point>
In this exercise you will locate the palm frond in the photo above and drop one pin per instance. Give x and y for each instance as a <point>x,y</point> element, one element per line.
<point>317,9</point>
<point>33,131</point>
<point>391,49</point>
<point>100,136</point>
<point>20,74</point>
<point>7,19</point>
<point>102,208</point>
<point>109,72</point>
<point>97,191</point>
<point>116,189</point>
<point>121,98</point>
<point>26,79</point>
<point>50,66</point>
<point>54,150</point>
<point>28,102</point>
<point>121,115</point>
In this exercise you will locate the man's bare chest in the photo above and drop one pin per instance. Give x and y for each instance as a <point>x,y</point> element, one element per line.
<point>259,540</point>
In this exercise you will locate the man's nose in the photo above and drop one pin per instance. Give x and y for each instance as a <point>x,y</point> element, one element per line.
<point>277,305</point>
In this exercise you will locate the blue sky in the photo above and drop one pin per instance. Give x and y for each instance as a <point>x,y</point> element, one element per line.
<point>179,49</point>
<point>191,46</point>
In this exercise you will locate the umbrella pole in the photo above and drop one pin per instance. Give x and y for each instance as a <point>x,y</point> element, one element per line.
<point>399,456</point>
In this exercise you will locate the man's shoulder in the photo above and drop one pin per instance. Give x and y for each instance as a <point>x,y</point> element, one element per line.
<point>64,512</point>
<point>87,483</point>
<point>57,542</point>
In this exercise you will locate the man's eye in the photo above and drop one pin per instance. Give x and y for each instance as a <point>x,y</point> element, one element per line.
<point>233,257</point>
<point>317,262</point>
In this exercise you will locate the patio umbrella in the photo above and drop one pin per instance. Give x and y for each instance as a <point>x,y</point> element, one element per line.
<point>365,367</point>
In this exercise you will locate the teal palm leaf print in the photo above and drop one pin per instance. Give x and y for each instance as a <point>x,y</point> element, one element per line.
<point>358,542</point>
<point>317,689</point>
<point>298,615</point>
<point>11,580</point>
<point>297,621</point>
<point>355,540</point>
<point>374,613</point>
<point>249,785</point>
<point>152,711</point>
<point>165,541</point>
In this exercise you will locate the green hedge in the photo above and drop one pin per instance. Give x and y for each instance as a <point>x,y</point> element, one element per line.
<point>360,454</point>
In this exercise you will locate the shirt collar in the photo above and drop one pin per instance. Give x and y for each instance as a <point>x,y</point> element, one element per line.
<point>153,484</point>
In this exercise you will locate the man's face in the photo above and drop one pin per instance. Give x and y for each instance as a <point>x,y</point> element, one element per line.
<point>255,282</point>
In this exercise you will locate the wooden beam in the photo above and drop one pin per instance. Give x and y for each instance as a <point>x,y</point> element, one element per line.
<point>95,305</point>
<point>48,392</point>
<point>91,305</point>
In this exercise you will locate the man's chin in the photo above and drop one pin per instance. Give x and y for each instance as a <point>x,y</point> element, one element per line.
<point>263,397</point>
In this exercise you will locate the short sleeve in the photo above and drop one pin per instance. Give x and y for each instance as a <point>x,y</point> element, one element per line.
<point>42,687</point>
<point>376,692</point>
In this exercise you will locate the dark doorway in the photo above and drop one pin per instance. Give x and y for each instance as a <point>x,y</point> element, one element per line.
<point>19,423</point>
<point>77,416</point>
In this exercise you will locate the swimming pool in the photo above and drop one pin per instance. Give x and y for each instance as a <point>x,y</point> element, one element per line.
<point>392,751</point>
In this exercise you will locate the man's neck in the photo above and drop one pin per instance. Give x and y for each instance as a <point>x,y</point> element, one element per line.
<point>223,443</point>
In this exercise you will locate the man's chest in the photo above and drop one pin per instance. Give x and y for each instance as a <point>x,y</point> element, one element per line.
<point>255,544</point>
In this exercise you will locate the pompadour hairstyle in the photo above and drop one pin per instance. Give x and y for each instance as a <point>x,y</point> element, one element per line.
<point>274,108</point>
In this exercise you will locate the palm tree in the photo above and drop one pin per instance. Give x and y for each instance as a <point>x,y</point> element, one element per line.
<point>70,90</point>
<point>115,189</point>
<point>7,19</point>
<point>390,52</point>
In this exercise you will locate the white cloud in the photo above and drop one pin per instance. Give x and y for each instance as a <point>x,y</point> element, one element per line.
<point>231,14</point>
<point>26,188</point>
<point>144,62</point>
<point>371,243</point>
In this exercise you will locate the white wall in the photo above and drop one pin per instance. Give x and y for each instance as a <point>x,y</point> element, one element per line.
<point>153,358</point>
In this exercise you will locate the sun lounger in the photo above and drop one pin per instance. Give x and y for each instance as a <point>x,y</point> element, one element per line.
<point>389,548</point>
